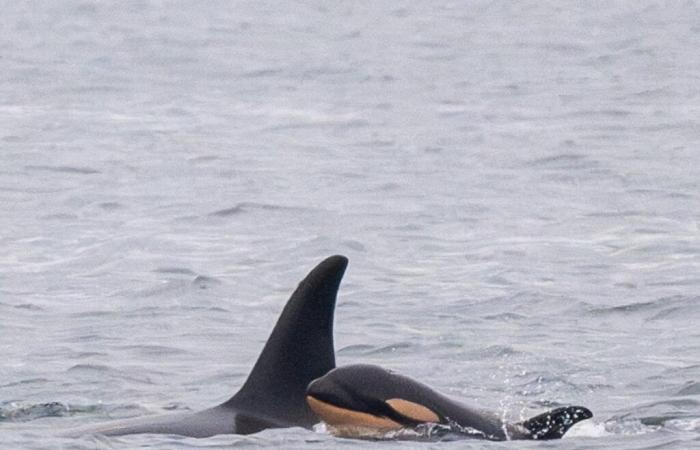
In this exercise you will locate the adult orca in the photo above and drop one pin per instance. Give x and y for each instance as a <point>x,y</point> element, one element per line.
<point>358,400</point>
<point>299,350</point>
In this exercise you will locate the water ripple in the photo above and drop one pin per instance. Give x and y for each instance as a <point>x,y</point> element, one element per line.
<point>65,169</point>
<point>18,412</point>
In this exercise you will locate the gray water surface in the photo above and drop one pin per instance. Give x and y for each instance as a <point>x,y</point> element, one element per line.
<point>515,184</point>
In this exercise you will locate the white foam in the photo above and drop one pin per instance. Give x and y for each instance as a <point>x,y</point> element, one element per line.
<point>588,428</point>
<point>684,424</point>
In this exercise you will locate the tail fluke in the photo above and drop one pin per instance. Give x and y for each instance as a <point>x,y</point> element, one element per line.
<point>555,423</point>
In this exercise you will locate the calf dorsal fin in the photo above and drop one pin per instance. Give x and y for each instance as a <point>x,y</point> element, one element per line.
<point>555,423</point>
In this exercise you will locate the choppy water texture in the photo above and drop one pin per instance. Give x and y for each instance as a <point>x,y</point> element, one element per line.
<point>515,184</point>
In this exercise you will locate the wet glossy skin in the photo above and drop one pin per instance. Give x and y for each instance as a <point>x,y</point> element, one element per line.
<point>371,397</point>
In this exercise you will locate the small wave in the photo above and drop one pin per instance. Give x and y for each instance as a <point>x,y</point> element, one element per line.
<point>424,432</point>
<point>681,313</point>
<point>654,416</point>
<point>687,424</point>
<point>29,190</point>
<point>28,306</point>
<point>244,207</point>
<point>354,245</point>
<point>355,349</point>
<point>624,309</point>
<point>162,289</point>
<point>87,355</point>
<point>599,113</point>
<point>495,351</point>
<point>92,314</point>
<point>505,317</point>
<point>679,403</point>
<point>617,213</point>
<point>18,412</point>
<point>498,280</point>
<point>628,427</point>
<point>89,368</point>
<point>205,282</point>
<point>60,216</point>
<point>92,371</point>
<point>175,271</point>
<point>226,212</point>
<point>153,350</point>
<point>110,206</point>
<point>677,282</point>
<point>569,161</point>
<point>65,169</point>
<point>648,231</point>
<point>23,382</point>
<point>12,138</point>
<point>392,348</point>
<point>664,308</point>
<point>204,159</point>
<point>690,388</point>
<point>661,421</point>
<point>216,309</point>
<point>261,73</point>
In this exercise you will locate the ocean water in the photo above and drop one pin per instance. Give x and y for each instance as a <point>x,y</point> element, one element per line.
<point>516,186</point>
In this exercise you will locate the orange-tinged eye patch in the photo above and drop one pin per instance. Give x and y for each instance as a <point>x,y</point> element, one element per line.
<point>337,416</point>
<point>414,411</point>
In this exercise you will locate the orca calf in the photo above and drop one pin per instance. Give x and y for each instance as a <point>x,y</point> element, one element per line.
<point>358,399</point>
<point>299,350</point>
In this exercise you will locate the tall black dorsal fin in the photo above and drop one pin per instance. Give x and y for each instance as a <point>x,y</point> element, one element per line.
<point>553,424</point>
<point>299,350</point>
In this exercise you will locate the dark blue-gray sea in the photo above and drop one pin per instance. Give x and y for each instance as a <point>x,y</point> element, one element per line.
<point>516,185</point>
